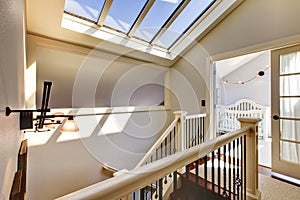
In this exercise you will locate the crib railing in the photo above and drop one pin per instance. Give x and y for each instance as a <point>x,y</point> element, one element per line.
<point>226,117</point>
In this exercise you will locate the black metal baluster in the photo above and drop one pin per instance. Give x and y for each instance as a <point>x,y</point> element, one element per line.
<point>229,176</point>
<point>219,171</point>
<point>170,141</point>
<point>166,147</point>
<point>161,150</point>
<point>142,194</point>
<point>203,134</point>
<point>195,132</point>
<point>160,189</point>
<point>186,134</point>
<point>240,173</point>
<point>205,171</point>
<point>233,164</point>
<point>175,148</point>
<point>244,143</point>
<point>187,171</point>
<point>238,169</point>
<point>175,184</point>
<point>189,145</point>
<point>198,130</point>
<point>224,171</point>
<point>213,171</point>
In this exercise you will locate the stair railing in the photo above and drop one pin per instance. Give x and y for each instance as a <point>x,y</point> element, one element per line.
<point>184,132</point>
<point>141,177</point>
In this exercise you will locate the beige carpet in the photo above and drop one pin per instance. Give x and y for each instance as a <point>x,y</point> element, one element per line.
<point>272,189</point>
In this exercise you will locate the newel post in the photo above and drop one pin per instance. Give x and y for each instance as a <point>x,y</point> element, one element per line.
<point>180,127</point>
<point>251,158</point>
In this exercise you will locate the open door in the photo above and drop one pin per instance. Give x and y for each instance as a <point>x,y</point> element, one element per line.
<point>285,106</point>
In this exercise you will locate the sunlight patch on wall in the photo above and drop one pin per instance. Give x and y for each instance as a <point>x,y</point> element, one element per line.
<point>38,138</point>
<point>30,85</point>
<point>117,122</point>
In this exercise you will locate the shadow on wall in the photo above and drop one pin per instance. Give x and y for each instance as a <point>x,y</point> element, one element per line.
<point>66,162</point>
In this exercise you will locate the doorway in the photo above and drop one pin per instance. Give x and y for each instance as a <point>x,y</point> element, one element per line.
<point>245,80</point>
<point>286,111</point>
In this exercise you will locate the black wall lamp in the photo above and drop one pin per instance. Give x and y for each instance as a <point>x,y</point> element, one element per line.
<point>26,116</point>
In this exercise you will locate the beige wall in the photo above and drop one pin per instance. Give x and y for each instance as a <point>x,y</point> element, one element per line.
<point>11,88</point>
<point>85,77</point>
<point>255,25</point>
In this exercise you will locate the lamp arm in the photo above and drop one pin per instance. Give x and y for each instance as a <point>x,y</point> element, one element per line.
<point>8,111</point>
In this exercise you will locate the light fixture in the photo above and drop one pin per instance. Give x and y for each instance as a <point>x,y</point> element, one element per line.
<point>259,74</point>
<point>70,125</point>
<point>26,116</point>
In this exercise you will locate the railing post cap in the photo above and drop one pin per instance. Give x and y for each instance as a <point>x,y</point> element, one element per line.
<point>180,112</point>
<point>249,120</point>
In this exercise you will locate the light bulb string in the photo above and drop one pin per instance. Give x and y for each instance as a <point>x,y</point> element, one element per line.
<point>259,74</point>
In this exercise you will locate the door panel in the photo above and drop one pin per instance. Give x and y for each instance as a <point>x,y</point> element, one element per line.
<point>285,89</point>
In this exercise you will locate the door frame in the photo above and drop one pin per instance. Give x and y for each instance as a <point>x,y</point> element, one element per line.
<point>278,165</point>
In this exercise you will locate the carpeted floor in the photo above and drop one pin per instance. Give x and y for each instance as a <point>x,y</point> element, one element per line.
<point>272,189</point>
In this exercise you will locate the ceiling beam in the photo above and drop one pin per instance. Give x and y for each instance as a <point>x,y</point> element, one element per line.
<point>170,21</point>
<point>140,18</point>
<point>104,12</point>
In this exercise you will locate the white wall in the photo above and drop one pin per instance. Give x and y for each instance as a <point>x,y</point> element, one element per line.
<point>258,89</point>
<point>11,88</point>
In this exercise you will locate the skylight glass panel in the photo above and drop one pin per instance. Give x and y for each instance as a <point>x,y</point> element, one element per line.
<point>123,13</point>
<point>89,9</point>
<point>194,10</point>
<point>157,16</point>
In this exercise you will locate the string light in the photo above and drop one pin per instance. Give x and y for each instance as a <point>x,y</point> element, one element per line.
<point>259,74</point>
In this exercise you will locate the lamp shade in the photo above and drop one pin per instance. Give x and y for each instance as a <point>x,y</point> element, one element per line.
<point>69,126</point>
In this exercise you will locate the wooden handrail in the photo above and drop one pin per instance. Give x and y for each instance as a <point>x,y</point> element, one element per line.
<point>157,143</point>
<point>195,116</point>
<point>117,187</point>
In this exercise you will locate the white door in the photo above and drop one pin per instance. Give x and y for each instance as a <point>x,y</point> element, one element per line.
<point>285,92</point>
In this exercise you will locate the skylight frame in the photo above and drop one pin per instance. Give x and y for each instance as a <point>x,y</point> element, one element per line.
<point>140,17</point>
<point>208,20</point>
<point>194,23</point>
<point>134,19</point>
<point>174,12</point>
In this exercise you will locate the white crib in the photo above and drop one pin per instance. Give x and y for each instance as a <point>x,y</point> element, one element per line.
<point>227,116</point>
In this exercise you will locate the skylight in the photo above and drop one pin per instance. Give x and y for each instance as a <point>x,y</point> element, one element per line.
<point>156,17</point>
<point>157,25</point>
<point>122,14</point>
<point>88,9</point>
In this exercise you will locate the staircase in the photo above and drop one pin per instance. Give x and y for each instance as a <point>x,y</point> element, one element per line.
<point>190,190</point>
<point>183,165</point>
